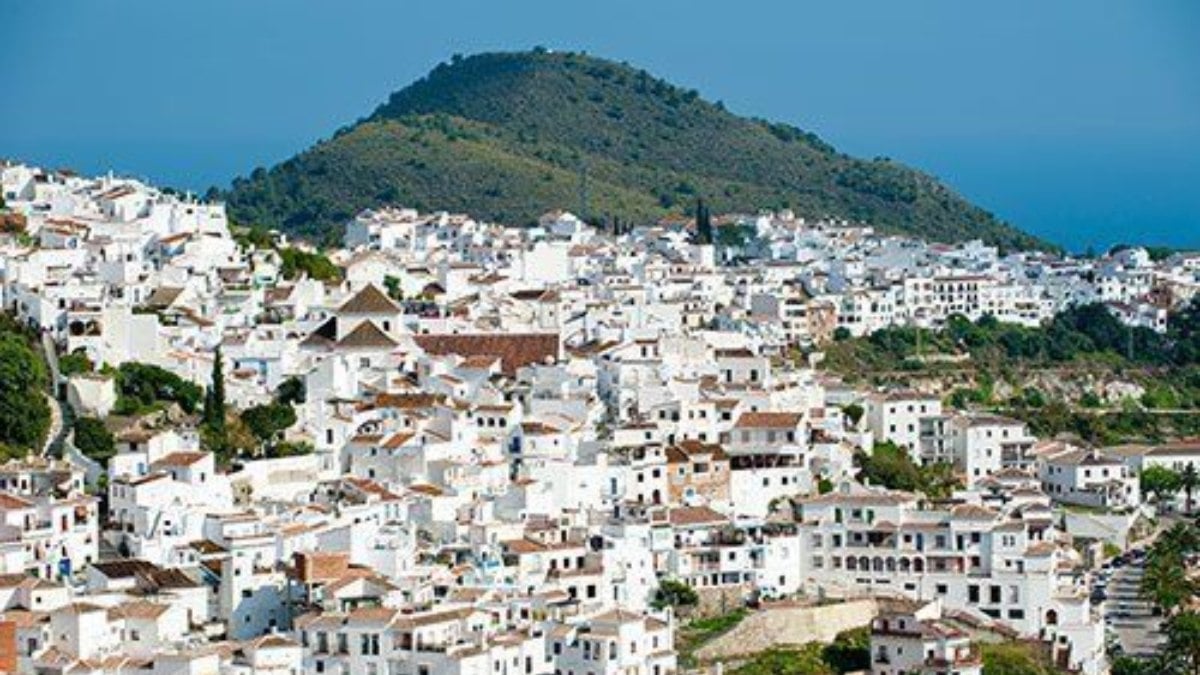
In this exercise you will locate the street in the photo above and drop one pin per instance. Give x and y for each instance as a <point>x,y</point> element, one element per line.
<point>1128,616</point>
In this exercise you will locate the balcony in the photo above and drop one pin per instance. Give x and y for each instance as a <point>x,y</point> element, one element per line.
<point>961,658</point>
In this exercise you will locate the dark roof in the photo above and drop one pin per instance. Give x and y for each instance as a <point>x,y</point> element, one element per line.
<point>366,335</point>
<point>125,569</point>
<point>369,300</point>
<point>514,349</point>
<point>170,578</point>
<point>685,450</point>
<point>323,336</point>
<point>163,297</point>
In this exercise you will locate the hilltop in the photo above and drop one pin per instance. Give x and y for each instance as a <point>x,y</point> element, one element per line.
<point>508,136</point>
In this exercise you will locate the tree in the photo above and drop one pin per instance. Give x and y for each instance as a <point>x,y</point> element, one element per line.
<point>94,440</point>
<point>392,285</point>
<point>24,412</point>
<point>74,363</point>
<point>214,402</point>
<point>295,262</point>
<point>1189,480</point>
<point>1160,482</point>
<point>1183,640</point>
<point>267,421</point>
<point>853,412</point>
<point>938,480</point>
<point>1182,539</point>
<point>291,391</point>
<point>1165,582</point>
<point>850,651</point>
<point>891,466</point>
<point>704,231</point>
<point>674,593</point>
<point>142,386</point>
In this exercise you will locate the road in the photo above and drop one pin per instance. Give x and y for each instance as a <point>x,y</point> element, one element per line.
<point>1129,616</point>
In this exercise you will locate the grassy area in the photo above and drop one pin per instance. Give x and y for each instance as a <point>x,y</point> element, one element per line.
<point>806,660</point>
<point>695,634</point>
<point>848,652</point>
<point>1015,658</point>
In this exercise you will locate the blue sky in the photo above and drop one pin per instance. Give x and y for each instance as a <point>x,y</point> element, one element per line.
<point>1078,120</point>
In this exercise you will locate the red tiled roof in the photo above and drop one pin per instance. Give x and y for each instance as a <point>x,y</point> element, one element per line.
<point>514,349</point>
<point>695,515</point>
<point>769,420</point>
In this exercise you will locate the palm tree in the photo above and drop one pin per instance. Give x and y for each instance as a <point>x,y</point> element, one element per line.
<point>1182,539</point>
<point>1183,640</point>
<point>1189,480</point>
<point>1166,582</point>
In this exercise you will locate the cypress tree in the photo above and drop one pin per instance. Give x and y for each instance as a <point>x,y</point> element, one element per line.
<point>214,401</point>
<point>704,233</point>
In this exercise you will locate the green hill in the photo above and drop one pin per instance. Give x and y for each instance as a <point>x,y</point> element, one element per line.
<point>509,136</point>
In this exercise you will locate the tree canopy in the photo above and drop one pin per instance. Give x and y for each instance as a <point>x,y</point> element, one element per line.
<point>24,411</point>
<point>267,421</point>
<point>674,593</point>
<point>892,466</point>
<point>142,387</point>
<point>1161,482</point>
<point>94,440</point>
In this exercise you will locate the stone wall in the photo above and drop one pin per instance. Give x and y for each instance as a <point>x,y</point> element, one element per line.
<point>715,601</point>
<point>781,625</point>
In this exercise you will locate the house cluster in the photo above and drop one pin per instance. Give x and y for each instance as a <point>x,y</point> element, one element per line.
<point>516,436</point>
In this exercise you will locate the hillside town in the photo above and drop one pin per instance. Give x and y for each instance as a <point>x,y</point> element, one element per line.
<point>534,448</point>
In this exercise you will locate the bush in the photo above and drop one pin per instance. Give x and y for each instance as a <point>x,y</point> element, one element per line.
<point>1015,658</point>
<point>850,651</point>
<point>291,391</point>
<point>267,421</point>
<point>674,593</point>
<point>891,466</point>
<point>313,265</point>
<point>289,449</point>
<point>806,660</point>
<point>74,364</point>
<point>142,387</point>
<point>94,440</point>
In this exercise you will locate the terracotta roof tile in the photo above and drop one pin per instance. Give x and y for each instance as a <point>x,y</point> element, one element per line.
<point>769,420</point>
<point>366,335</point>
<point>514,349</point>
<point>369,300</point>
